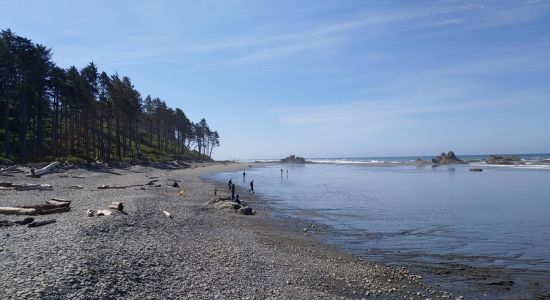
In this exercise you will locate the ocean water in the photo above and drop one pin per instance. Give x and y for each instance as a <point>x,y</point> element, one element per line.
<point>407,214</point>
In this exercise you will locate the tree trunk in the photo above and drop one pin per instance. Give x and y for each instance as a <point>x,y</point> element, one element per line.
<point>117,129</point>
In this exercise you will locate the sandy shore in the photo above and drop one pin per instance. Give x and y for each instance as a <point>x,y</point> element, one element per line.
<point>202,252</point>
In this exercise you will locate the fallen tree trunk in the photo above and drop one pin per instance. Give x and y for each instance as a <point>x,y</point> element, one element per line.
<point>17,211</point>
<point>167,214</point>
<point>45,170</point>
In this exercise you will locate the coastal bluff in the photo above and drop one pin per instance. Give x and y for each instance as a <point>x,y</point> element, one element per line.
<point>293,159</point>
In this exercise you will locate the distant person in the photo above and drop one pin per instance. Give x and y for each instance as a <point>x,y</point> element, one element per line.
<point>281,172</point>
<point>233,192</point>
<point>244,174</point>
<point>229,183</point>
<point>237,199</point>
<point>251,187</point>
<point>215,191</point>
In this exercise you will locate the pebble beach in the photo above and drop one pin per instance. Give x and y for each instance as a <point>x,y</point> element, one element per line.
<point>199,252</point>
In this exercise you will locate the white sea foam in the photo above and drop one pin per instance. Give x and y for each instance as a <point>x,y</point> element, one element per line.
<point>346,161</point>
<point>527,166</point>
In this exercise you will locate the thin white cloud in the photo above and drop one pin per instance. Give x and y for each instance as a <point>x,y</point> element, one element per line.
<point>264,45</point>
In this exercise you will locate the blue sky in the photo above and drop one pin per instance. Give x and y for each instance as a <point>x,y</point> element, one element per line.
<point>322,78</point>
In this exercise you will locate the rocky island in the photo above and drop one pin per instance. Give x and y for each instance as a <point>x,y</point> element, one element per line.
<point>293,159</point>
<point>447,159</point>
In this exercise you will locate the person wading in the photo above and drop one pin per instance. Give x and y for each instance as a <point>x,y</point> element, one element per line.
<point>232,191</point>
<point>229,183</point>
<point>251,187</point>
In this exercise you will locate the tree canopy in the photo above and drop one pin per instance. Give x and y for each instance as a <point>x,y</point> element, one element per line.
<point>50,112</point>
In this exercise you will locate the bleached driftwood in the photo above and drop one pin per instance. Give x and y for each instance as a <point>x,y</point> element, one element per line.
<point>12,169</point>
<point>45,170</point>
<point>58,202</point>
<point>167,214</point>
<point>17,211</point>
<point>53,206</point>
<point>104,212</point>
<point>116,206</point>
<point>76,187</point>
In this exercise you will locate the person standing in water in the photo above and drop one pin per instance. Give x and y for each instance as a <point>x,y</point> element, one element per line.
<point>251,187</point>
<point>244,175</point>
<point>229,183</point>
<point>233,191</point>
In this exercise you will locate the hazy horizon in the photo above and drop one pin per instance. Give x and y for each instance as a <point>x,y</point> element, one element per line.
<point>396,156</point>
<point>322,79</point>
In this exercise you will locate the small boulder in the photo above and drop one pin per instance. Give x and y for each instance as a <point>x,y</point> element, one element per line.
<point>246,210</point>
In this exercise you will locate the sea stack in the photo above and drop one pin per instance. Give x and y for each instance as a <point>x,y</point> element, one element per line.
<point>293,159</point>
<point>447,159</point>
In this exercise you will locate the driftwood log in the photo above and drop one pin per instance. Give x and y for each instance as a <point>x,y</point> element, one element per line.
<point>12,169</point>
<point>33,186</point>
<point>47,169</point>
<point>59,201</point>
<point>41,223</point>
<point>116,206</point>
<point>52,206</point>
<point>167,214</point>
<point>104,212</point>
<point>22,222</point>
<point>17,211</point>
<point>55,210</point>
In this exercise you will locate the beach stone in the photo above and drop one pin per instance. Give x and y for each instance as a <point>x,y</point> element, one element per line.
<point>246,210</point>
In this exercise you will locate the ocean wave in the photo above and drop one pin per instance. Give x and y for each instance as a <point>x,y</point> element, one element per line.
<point>527,166</point>
<point>346,161</point>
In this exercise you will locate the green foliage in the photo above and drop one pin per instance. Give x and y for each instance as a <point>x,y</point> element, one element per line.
<point>47,112</point>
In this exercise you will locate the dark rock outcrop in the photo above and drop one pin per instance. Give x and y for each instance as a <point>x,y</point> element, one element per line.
<point>293,159</point>
<point>503,160</point>
<point>245,210</point>
<point>446,159</point>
